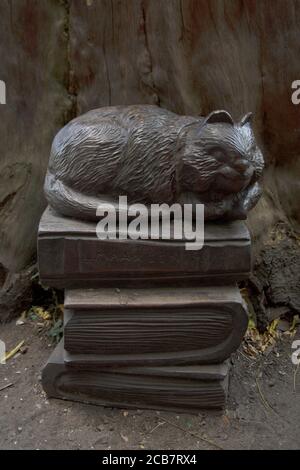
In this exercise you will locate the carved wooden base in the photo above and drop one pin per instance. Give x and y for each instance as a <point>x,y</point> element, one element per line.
<point>188,388</point>
<point>148,324</point>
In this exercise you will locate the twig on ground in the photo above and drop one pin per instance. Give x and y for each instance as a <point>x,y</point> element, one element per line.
<point>264,401</point>
<point>246,357</point>
<point>295,376</point>
<point>194,434</point>
<point>6,386</point>
<point>155,427</point>
<point>14,351</point>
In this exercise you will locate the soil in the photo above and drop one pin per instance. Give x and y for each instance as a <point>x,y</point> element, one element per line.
<point>262,412</point>
<point>274,285</point>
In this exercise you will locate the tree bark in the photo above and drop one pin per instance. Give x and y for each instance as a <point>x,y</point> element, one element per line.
<point>62,58</point>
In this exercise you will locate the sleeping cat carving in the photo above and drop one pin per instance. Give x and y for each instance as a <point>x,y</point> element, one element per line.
<point>154,156</point>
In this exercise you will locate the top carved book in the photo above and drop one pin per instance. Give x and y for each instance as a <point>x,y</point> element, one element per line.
<point>71,255</point>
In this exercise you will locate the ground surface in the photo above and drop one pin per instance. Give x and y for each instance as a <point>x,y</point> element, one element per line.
<point>263,410</point>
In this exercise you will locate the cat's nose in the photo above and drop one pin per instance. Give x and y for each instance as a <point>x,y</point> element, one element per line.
<point>241,165</point>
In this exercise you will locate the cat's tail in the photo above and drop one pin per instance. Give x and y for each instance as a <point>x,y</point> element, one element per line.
<point>70,202</point>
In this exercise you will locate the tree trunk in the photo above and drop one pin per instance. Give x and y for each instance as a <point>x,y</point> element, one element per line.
<point>62,58</point>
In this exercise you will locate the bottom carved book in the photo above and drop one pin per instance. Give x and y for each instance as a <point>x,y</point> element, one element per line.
<point>174,388</point>
<point>160,348</point>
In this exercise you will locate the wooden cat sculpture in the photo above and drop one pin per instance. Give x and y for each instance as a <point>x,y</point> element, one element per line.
<point>152,155</point>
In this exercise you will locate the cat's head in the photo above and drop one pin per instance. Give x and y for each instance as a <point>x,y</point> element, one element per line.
<point>220,156</point>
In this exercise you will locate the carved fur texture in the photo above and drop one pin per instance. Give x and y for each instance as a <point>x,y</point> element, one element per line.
<point>154,156</point>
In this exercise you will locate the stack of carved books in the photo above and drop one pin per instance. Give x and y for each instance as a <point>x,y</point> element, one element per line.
<point>147,324</point>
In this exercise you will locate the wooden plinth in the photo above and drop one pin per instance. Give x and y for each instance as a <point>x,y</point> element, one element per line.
<point>148,324</point>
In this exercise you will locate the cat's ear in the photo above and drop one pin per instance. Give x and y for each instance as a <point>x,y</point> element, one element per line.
<point>247,119</point>
<point>219,116</point>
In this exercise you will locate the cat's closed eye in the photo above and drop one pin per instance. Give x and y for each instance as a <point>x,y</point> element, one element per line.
<point>219,154</point>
